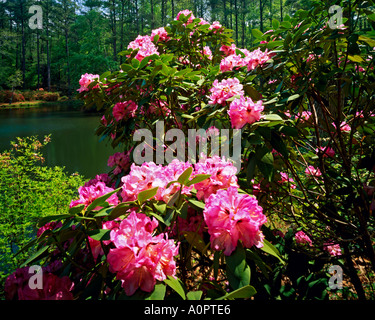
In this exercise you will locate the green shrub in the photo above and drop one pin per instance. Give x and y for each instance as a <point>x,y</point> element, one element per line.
<point>29,190</point>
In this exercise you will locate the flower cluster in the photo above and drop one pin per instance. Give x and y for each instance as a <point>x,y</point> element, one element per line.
<point>121,160</point>
<point>17,286</point>
<point>243,110</point>
<point>225,89</point>
<point>85,80</point>
<point>140,258</point>
<point>124,110</point>
<point>231,217</point>
<point>250,59</point>
<point>92,190</point>
<point>145,47</point>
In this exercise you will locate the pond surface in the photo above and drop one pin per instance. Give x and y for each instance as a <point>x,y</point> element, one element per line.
<point>73,145</point>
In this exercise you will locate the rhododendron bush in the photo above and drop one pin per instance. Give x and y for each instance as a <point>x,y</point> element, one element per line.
<point>303,101</point>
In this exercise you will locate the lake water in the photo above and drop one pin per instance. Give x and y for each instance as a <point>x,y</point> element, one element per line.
<point>73,145</point>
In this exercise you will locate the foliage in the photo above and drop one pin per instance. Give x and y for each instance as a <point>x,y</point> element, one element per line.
<point>29,191</point>
<point>303,101</point>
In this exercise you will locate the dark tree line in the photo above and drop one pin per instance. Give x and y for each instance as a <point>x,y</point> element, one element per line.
<point>87,35</point>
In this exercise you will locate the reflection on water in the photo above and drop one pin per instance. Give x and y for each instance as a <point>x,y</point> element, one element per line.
<point>74,144</point>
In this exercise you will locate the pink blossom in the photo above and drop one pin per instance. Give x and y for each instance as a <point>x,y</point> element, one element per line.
<point>344,127</point>
<point>145,45</point>
<point>230,217</point>
<point>161,32</point>
<point>225,89</point>
<point>90,191</point>
<point>207,52</point>
<point>54,288</point>
<point>85,81</point>
<point>256,57</point>
<point>124,110</point>
<point>230,62</point>
<point>228,50</point>
<point>243,110</point>
<point>186,13</point>
<point>215,26</point>
<point>49,226</point>
<point>303,238</point>
<point>223,175</point>
<point>326,151</point>
<point>333,249</point>
<point>140,258</point>
<point>285,178</point>
<point>121,160</point>
<point>304,115</point>
<point>315,172</point>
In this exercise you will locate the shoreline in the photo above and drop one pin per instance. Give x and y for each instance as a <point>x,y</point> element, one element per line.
<point>40,103</point>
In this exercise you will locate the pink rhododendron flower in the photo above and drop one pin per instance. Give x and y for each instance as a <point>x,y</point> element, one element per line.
<point>230,62</point>
<point>161,32</point>
<point>225,89</point>
<point>85,80</point>
<point>54,288</point>
<point>145,45</point>
<point>186,13</point>
<point>256,57</point>
<point>124,110</point>
<point>230,217</point>
<point>228,50</point>
<point>140,178</point>
<point>49,226</point>
<point>207,52</point>
<point>121,160</point>
<point>344,127</point>
<point>304,115</point>
<point>140,258</point>
<point>243,110</point>
<point>327,151</point>
<point>285,178</point>
<point>333,249</point>
<point>223,175</point>
<point>215,26</point>
<point>90,191</point>
<point>303,238</point>
<point>310,170</point>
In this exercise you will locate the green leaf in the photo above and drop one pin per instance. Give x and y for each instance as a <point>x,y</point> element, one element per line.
<point>293,97</point>
<point>237,270</point>
<point>242,293</point>
<point>176,285</point>
<point>194,295</point>
<point>100,234</point>
<point>158,293</point>
<point>184,177</point>
<point>275,24</point>
<point>198,178</point>
<point>257,33</point>
<point>147,194</point>
<point>35,257</point>
<point>196,203</point>
<point>101,201</point>
<point>135,63</point>
<point>370,42</point>
<point>355,58</point>
<point>76,209</point>
<point>272,117</point>
<point>120,209</point>
<point>271,249</point>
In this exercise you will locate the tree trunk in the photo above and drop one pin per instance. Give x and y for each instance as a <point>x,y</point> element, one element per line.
<point>236,19</point>
<point>152,15</point>
<point>261,15</point>
<point>281,10</point>
<point>48,51</point>
<point>38,57</point>
<point>23,62</point>
<point>67,58</point>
